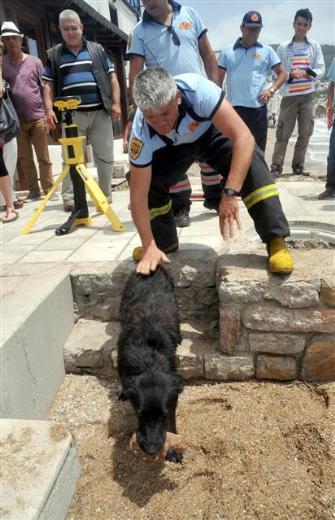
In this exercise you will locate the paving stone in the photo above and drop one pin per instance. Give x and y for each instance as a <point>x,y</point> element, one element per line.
<point>280,368</point>
<point>319,361</point>
<point>40,467</point>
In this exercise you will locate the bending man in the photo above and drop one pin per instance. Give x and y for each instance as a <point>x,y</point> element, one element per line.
<point>180,120</point>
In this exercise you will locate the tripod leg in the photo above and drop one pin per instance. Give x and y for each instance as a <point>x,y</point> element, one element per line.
<point>99,198</point>
<point>27,228</point>
<point>80,214</point>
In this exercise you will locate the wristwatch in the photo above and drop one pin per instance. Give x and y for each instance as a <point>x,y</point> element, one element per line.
<point>272,90</point>
<point>231,192</point>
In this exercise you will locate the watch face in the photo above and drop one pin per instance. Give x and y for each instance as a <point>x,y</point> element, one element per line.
<point>230,192</point>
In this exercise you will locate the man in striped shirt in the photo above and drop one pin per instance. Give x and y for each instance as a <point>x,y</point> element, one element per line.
<point>82,68</point>
<point>303,59</point>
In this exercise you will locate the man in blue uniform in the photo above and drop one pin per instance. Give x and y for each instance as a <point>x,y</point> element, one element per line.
<point>174,37</point>
<point>247,63</point>
<point>177,122</point>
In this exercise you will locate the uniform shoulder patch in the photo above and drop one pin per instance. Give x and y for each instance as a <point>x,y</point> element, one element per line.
<point>135,148</point>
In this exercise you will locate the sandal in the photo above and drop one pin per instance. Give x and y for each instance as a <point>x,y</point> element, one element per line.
<point>15,216</point>
<point>18,204</point>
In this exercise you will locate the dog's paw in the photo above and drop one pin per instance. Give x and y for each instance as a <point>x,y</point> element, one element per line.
<point>174,455</point>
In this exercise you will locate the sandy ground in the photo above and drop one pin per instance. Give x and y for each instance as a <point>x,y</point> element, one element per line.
<point>255,451</point>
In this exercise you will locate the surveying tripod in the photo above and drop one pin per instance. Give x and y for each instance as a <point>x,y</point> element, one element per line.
<point>73,154</point>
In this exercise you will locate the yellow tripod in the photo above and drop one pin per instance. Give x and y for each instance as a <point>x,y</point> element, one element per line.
<point>73,153</point>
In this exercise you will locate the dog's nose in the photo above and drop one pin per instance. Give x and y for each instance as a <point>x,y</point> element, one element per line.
<point>149,449</point>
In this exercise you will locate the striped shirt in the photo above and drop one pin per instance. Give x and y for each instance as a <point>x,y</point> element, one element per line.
<point>78,78</point>
<point>301,55</point>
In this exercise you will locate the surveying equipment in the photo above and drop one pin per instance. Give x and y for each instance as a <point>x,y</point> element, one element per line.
<point>73,154</point>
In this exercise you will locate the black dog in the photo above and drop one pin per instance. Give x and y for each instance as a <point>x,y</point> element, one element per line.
<point>147,345</point>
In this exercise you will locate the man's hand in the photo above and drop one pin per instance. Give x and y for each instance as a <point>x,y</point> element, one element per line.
<point>229,215</point>
<point>116,111</point>
<point>265,96</point>
<point>298,73</point>
<point>152,256</point>
<point>51,119</point>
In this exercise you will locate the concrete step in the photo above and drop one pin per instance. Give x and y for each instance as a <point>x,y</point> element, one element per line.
<point>92,348</point>
<point>37,317</point>
<point>39,467</point>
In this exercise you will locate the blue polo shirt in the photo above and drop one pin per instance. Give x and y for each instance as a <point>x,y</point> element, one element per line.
<point>201,99</point>
<point>246,72</point>
<point>78,78</point>
<point>156,43</point>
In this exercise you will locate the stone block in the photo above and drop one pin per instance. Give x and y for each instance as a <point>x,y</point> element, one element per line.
<point>229,328</point>
<point>229,368</point>
<point>271,318</point>
<point>294,295</point>
<point>190,364</point>
<point>280,368</point>
<point>290,344</point>
<point>327,292</point>
<point>89,345</point>
<point>241,291</point>
<point>319,361</point>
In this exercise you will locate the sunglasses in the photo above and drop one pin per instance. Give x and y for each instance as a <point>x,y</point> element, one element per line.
<point>175,37</point>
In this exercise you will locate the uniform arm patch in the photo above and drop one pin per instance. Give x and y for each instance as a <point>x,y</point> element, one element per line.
<point>135,148</point>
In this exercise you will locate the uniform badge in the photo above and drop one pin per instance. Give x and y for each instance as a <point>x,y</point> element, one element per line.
<point>254,17</point>
<point>185,25</point>
<point>136,146</point>
<point>257,56</point>
<point>193,126</point>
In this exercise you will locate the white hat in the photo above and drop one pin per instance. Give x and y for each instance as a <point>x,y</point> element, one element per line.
<point>10,29</point>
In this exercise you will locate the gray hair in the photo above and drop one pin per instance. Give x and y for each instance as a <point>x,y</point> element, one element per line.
<point>153,89</point>
<point>68,14</point>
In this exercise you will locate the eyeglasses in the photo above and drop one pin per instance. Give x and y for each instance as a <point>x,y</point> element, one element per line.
<point>175,37</point>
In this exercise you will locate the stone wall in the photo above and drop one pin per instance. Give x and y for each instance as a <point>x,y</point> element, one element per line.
<point>283,327</point>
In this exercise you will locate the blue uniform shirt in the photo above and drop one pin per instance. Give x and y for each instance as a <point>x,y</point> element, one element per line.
<point>156,43</point>
<point>201,99</point>
<point>246,72</point>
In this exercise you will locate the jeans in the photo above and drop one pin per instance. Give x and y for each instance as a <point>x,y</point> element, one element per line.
<point>330,183</point>
<point>294,108</point>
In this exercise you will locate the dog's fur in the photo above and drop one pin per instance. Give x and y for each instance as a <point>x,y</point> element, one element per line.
<point>150,333</point>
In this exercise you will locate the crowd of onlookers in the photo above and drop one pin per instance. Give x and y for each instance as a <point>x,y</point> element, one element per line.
<point>174,37</point>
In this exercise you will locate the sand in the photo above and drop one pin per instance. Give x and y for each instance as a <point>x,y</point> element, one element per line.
<point>255,451</point>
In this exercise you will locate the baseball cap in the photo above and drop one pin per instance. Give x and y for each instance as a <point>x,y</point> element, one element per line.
<point>252,19</point>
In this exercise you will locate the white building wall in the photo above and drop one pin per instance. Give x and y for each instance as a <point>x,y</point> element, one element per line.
<point>126,17</point>
<point>101,6</point>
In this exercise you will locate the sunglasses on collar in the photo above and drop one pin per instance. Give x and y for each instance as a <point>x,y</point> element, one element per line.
<point>175,37</point>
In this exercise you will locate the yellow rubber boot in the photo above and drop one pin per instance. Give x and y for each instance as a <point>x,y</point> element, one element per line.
<point>280,261</point>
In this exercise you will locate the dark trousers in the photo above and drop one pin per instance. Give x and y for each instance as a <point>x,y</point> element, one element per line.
<point>259,193</point>
<point>256,120</point>
<point>331,160</point>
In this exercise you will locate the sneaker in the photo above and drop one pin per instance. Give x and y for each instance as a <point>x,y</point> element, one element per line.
<point>212,204</point>
<point>280,261</point>
<point>298,169</point>
<point>69,206</point>
<point>276,170</point>
<point>33,195</point>
<point>329,193</point>
<point>138,251</point>
<point>182,218</point>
